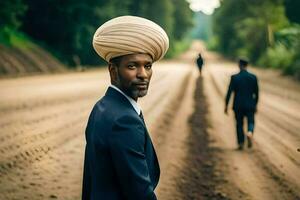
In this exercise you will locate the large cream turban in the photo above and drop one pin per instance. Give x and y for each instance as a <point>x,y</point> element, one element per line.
<point>128,35</point>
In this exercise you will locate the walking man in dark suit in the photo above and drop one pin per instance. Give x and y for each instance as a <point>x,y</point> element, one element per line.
<point>120,161</point>
<point>245,88</point>
<point>200,62</point>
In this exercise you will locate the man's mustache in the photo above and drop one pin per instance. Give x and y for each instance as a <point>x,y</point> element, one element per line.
<point>140,82</point>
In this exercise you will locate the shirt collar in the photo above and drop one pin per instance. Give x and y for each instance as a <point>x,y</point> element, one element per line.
<point>134,104</point>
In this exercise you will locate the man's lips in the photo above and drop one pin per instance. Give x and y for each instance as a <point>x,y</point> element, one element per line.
<point>143,85</point>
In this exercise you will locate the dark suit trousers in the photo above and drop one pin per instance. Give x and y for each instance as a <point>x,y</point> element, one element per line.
<point>240,115</point>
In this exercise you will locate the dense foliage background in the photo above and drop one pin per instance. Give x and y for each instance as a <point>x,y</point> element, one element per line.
<point>66,27</point>
<point>265,31</point>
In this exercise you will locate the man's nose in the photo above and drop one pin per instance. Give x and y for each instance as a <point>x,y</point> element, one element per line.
<point>142,73</point>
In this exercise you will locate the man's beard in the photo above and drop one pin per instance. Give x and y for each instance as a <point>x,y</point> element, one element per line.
<point>138,93</point>
<point>132,90</point>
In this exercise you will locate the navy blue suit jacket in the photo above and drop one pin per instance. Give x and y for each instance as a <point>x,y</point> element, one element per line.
<point>120,160</point>
<point>245,88</point>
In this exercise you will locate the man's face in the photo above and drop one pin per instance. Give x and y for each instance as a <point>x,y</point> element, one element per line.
<point>133,74</point>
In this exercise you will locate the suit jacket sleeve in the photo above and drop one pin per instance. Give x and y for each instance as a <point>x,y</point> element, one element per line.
<point>86,186</point>
<point>256,91</point>
<point>127,147</point>
<point>86,189</point>
<point>229,91</point>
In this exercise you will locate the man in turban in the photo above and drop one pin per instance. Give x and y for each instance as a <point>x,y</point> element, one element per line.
<point>120,160</point>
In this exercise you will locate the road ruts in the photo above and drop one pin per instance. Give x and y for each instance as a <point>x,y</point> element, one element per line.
<point>42,121</point>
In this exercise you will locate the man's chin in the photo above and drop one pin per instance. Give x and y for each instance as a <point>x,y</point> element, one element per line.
<point>141,93</point>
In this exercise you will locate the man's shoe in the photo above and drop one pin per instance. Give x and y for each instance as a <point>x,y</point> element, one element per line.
<point>249,134</point>
<point>240,147</point>
<point>249,140</point>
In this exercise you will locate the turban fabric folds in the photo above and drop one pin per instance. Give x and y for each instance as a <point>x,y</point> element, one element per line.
<point>129,35</point>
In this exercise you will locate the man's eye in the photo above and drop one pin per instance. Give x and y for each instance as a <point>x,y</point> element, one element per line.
<point>131,66</point>
<point>148,66</point>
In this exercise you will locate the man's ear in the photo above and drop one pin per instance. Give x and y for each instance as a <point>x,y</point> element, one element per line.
<point>112,68</point>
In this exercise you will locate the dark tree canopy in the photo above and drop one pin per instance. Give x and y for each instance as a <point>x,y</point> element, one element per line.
<point>10,13</point>
<point>247,27</point>
<point>262,31</point>
<point>292,10</point>
<point>67,27</point>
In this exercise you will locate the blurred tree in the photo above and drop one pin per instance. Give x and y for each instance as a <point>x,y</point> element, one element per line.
<point>247,28</point>
<point>260,30</point>
<point>289,39</point>
<point>225,17</point>
<point>138,7</point>
<point>67,27</point>
<point>203,26</point>
<point>161,12</point>
<point>174,16</point>
<point>292,10</point>
<point>183,18</point>
<point>10,13</point>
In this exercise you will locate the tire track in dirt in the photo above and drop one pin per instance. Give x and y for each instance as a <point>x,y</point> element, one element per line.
<point>170,135</point>
<point>200,177</point>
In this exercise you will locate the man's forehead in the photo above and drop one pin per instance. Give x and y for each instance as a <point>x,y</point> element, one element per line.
<point>138,57</point>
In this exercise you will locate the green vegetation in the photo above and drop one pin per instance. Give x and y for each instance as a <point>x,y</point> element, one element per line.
<point>265,31</point>
<point>66,27</point>
<point>178,47</point>
<point>203,27</point>
<point>13,38</point>
<point>10,13</point>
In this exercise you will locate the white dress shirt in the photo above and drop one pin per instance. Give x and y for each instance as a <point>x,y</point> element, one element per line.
<point>134,104</point>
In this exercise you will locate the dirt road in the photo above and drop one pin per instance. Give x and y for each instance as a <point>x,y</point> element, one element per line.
<point>42,122</point>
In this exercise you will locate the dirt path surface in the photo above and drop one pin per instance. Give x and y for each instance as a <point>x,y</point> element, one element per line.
<point>42,122</point>
<point>43,118</point>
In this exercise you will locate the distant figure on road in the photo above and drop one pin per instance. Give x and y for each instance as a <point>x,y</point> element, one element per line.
<point>120,161</point>
<point>200,63</point>
<point>245,88</point>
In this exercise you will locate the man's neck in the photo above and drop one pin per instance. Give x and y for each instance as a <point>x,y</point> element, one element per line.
<point>131,100</point>
<point>116,87</point>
